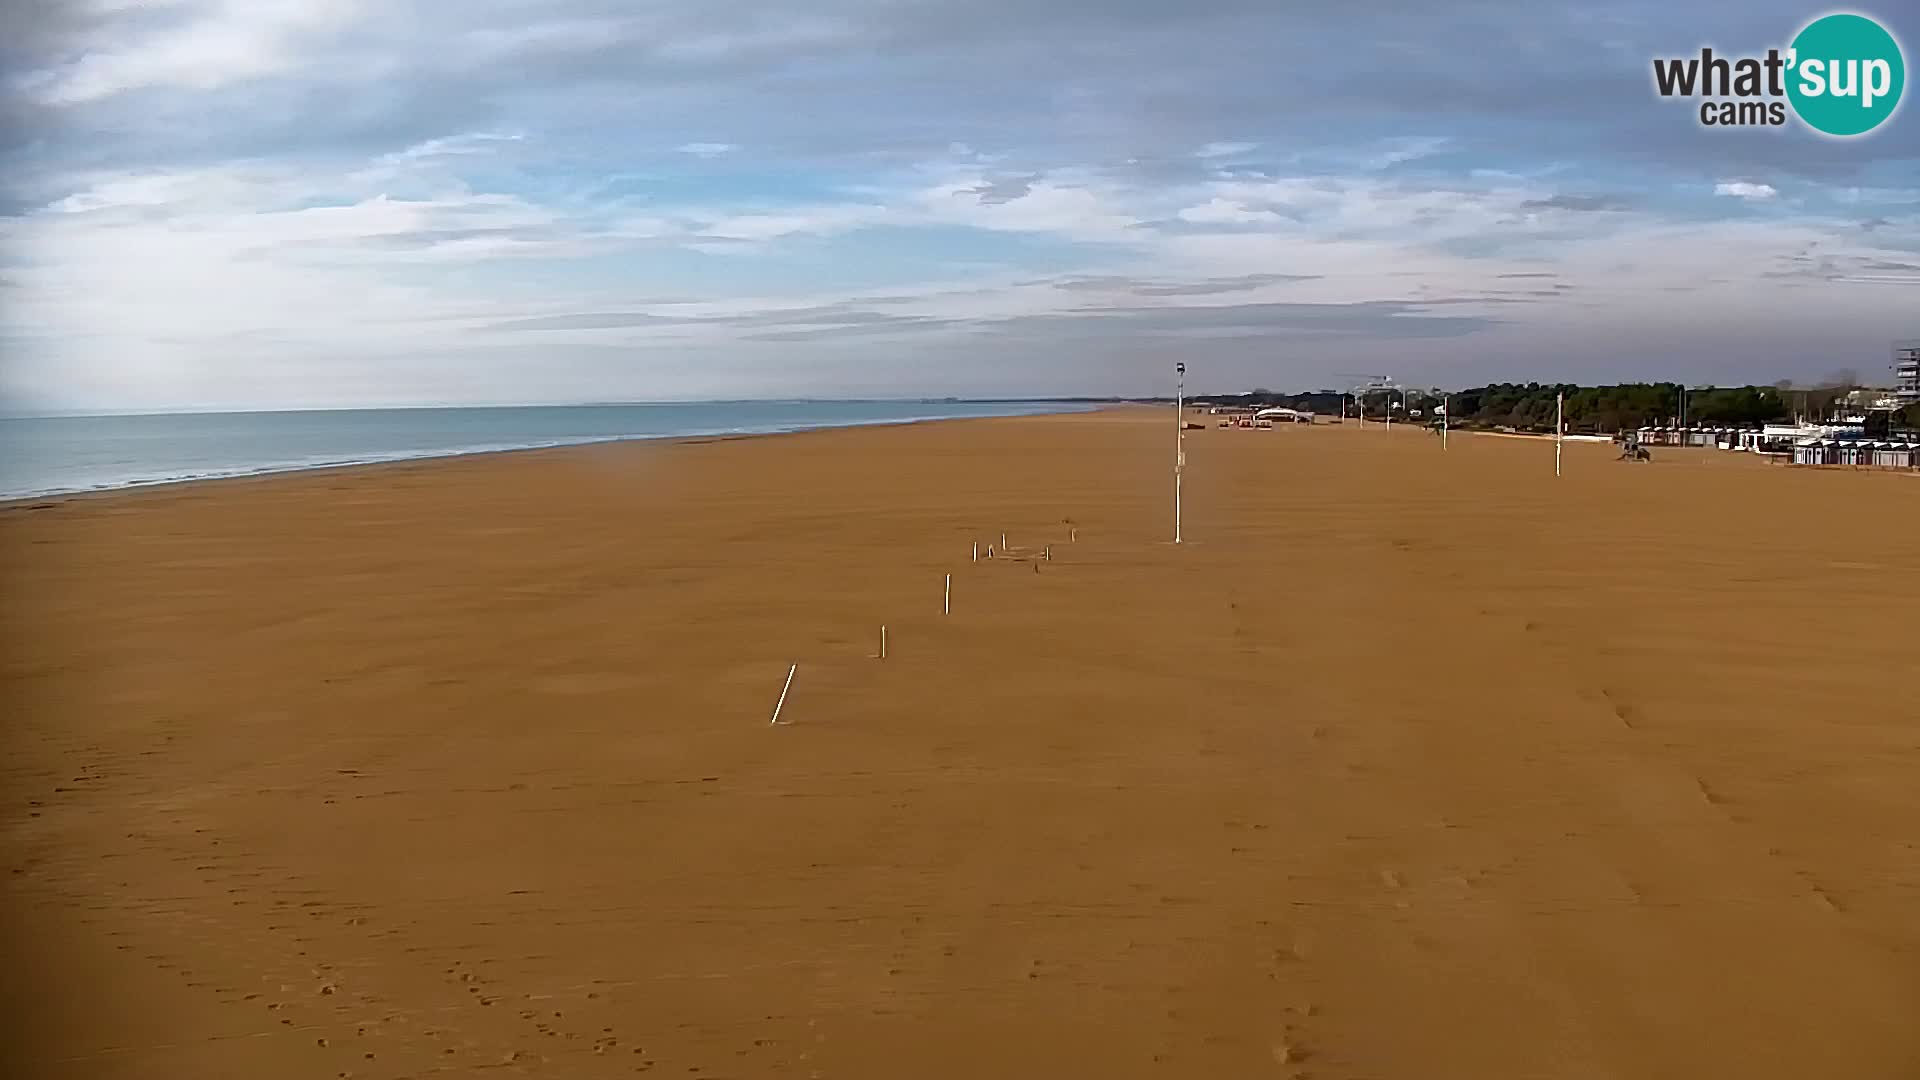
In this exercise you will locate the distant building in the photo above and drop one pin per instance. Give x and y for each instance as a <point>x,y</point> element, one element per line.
<point>1856,404</point>
<point>1906,371</point>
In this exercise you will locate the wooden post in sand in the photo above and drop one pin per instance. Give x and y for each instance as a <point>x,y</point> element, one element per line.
<point>1003,541</point>
<point>1559,428</point>
<point>883,641</point>
<point>1179,440</point>
<point>976,551</point>
<point>1073,535</point>
<point>783,693</point>
<point>946,603</point>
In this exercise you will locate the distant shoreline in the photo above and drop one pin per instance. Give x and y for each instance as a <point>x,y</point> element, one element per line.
<point>96,414</point>
<point>14,500</point>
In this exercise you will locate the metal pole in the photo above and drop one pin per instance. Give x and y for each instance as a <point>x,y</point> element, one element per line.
<point>1179,440</point>
<point>1446,417</point>
<point>1559,427</point>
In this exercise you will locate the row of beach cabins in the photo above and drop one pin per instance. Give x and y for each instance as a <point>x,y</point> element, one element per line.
<point>1844,445</point>
<point>1859,453</point>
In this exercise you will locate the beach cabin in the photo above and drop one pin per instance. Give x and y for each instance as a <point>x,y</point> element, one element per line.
<point>1813,451</point>
<point>1893,455</point>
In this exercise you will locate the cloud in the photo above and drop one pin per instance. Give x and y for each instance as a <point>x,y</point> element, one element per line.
<point>1219,211</point>
<point>1400,151</point>
<point>811,221</point>
<point>1151,287</point>
<point>610,320</point>
<point>477,142</point>
<point>1578,203</point>
<point>209,45</point>
<point>1004,190</point>
<point>311,201</point>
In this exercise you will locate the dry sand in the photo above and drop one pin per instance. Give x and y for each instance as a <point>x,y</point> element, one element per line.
<point>1406,767</point>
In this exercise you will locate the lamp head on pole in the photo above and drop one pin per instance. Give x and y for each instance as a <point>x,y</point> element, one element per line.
<point>1180,369</point>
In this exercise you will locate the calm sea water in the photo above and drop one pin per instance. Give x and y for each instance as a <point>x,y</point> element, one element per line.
<point>65,454</point>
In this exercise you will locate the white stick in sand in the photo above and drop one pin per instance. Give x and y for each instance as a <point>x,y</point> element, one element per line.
<point>783,693</point>
<point>1073,535</point>
<point>883,641</point>
<point>1003,541</point>
<point>976,551</point>
<point>946,604</point>
<point>1559,428</point>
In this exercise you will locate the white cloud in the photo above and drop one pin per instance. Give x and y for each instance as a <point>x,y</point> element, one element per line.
<point>277,281</point>
<point>1219,211</point>
<point>816,221</point>
<point>478,142</point>
<point>1068,203</point>
<point>1398,151</point>
<point>218,43</point>
<point>1743,189</point>
<point>1225,149</point>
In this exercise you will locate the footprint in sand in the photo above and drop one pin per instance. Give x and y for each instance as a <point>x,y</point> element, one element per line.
<point>1291,1052</point>
<point>1624,712</point>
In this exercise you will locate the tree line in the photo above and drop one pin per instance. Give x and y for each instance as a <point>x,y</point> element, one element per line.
<point>1596,409</point>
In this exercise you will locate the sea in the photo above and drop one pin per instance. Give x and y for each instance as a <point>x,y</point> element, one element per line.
<point>57,455</point>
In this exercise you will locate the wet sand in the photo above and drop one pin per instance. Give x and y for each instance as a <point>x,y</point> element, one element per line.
<point>1408,765</point>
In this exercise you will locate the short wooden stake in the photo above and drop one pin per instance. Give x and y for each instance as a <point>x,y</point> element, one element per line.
<point>883,641</point>
<point>783,693</point>
<point>946,604</point>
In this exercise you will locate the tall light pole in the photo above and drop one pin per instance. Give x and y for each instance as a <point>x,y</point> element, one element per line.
<point>1446,417</point>
<point>1685,389</point>
<point>1179,440</point>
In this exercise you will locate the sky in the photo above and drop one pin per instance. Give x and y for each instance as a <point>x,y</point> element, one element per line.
<point>324,203</point>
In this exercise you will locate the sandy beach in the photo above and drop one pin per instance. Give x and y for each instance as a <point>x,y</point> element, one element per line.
<point>1409,765</point>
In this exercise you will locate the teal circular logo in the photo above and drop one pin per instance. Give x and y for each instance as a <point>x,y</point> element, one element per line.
<point>1845,75</point>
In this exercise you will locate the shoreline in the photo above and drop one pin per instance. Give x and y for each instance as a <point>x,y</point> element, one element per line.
<point>57,496</point>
